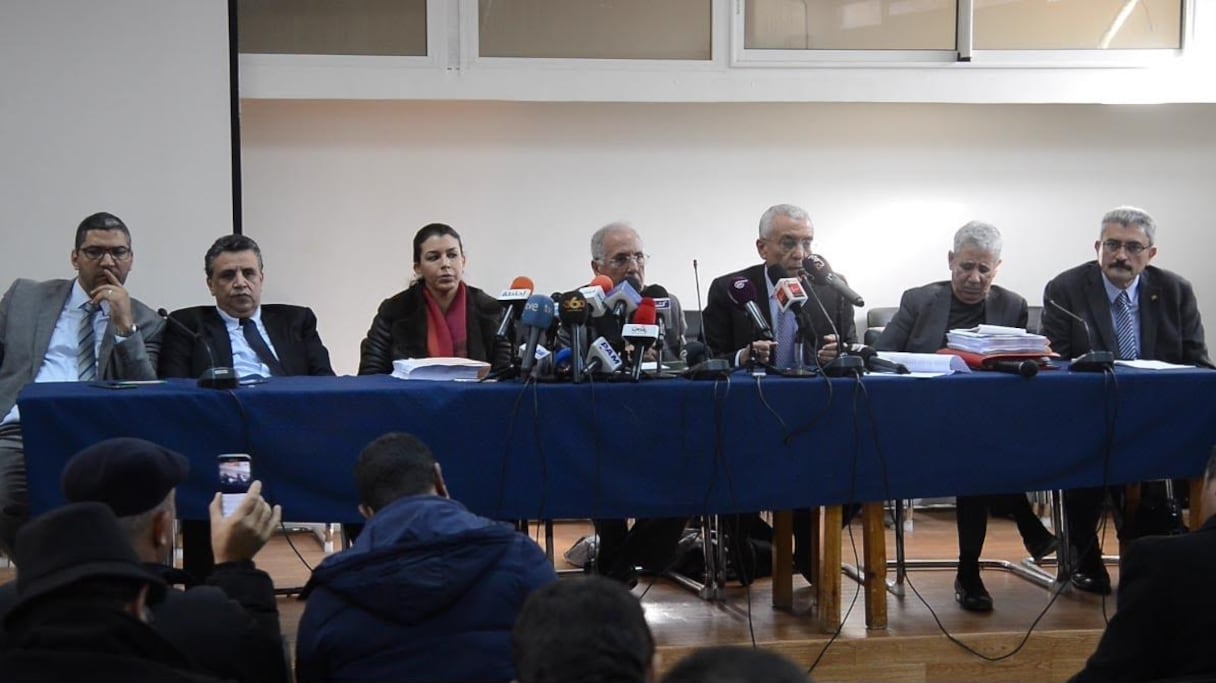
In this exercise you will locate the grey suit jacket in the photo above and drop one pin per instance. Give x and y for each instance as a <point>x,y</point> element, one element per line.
<point>28,313</point>
<point>920,323</point>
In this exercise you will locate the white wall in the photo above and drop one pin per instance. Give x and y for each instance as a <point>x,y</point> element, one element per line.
<point>335,190</point>
<point>120,106</point>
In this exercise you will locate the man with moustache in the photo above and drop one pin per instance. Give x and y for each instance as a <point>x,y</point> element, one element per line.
<point>270,340</point>
<point>784,240</point>
<point>85,329</point>
<point>1134,310</point>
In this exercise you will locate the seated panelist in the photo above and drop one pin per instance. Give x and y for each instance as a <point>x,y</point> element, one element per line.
<point>925,314</point>
<point>438,315</point>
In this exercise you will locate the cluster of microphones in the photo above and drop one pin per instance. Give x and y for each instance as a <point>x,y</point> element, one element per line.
<point>607,331</point>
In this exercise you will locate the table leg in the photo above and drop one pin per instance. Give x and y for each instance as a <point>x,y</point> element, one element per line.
<point>783,559</point>
<point>829,570</point>
<point>874,548</point>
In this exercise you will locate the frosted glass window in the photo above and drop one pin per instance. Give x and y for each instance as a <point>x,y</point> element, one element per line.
<point>596,29</point>
<point>1077,24</point>
<point>332,27</point>
<point>850,24</point>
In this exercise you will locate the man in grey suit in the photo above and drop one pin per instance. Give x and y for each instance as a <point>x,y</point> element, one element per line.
<point>925,314</point>
<point>84,329</point>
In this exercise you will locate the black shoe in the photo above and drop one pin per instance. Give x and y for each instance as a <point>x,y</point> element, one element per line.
<point>1097,582</point>
<point>1042,548</point>
<point>972,595</point>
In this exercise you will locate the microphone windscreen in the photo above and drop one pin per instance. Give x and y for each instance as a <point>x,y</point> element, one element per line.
<point>602,281</point>
<point>817,267</point>
<point>655,292</point>
<point>572,309</point>
<point>741,291</point>
<point>538,312</point>
<point>522,282</point>
<point>645,315</point>
<point>162,313</point>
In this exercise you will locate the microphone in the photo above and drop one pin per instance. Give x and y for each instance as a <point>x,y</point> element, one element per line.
<point>1093,360</point>
<point>662,308</point>
<point>536,317</point>
<point>574,313</point>
<point>594,293</point>
<point>742,294</point>
<point>512,301</point>
<point>601,357</point>
<point>1025,368</point>
<point>874,363</point>
<point>624,298</point>
<point>642,333</point>
<point>822,274</point>
<point>214,377</point>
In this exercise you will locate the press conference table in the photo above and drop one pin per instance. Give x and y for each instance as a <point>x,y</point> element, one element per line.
<point>658,448</point>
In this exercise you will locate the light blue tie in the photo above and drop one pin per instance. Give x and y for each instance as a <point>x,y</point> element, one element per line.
<point>1125,332</point>
<point>787,328</point>
<point>86,344</point>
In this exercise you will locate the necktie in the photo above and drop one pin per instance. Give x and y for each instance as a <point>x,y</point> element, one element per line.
<point>1125,332</point>
<point>787,327</point>
<point>259,347</point>
<point>86,344</point>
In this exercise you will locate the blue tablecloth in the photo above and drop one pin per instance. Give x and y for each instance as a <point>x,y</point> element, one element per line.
<point>657,448</point>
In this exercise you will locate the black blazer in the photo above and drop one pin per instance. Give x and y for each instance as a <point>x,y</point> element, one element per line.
<point>399,331</point>
<point>1170,329</point>
<point>920,323</point>
<point>1167,612</point>
<point>292,330</point>
<point>728,328</point>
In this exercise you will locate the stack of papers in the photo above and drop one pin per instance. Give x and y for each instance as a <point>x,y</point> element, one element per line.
<point>925,364</point>
<point>440,369</point>
<point>997,339</point>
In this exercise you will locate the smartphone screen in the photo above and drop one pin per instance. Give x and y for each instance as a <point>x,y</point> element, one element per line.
<point>235,475</point>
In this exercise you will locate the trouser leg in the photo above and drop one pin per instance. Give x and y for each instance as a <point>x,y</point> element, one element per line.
<point>972,521</point>
<point>1084,508</point>
<point>1029,525</point>
<point>14,495</point>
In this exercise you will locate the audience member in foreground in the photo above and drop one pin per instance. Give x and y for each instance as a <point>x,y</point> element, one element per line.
<point>734,664</point>
<point>429,591</point>
<point>589,629</point>
<point>1167,613</point>
<point>81,613</point>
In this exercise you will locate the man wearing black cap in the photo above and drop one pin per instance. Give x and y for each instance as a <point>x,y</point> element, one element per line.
<point>78,330</point>
<point>81,612</point>
<point>230,626</point>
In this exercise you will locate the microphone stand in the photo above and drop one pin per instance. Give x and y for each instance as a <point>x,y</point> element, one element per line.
<point>799,369</point>
<point>844,364</point>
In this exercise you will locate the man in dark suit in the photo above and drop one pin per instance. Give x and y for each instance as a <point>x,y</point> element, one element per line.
<point>1167,613</point>
<point>925,315</point>
<point>84,329</point>
<point>242,333</point>
<point>785,240</point>
<point>1133,310</point>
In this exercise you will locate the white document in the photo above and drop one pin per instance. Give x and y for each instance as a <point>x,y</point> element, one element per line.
<point>1153,365</point>
<point>440,369</point>
<point>926,364</point>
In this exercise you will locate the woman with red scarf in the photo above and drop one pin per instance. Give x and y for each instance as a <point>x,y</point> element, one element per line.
<point>438,315</point>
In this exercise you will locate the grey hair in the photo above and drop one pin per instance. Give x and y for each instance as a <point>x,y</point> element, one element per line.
<point>597,240</point>
<point>136,526</point>
<point>795,212</point>
<point>1131,217</point>
<point>981,235</point>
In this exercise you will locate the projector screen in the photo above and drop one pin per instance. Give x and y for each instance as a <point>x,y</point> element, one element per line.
<point>119,106</point>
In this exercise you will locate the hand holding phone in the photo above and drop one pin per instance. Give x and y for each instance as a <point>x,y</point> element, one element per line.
<point>235,476</point>
<point>243,532</point>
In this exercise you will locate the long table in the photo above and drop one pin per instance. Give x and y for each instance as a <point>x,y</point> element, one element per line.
<point>658,448</point>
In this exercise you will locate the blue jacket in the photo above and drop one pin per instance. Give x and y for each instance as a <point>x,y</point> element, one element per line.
<point>429,592</point>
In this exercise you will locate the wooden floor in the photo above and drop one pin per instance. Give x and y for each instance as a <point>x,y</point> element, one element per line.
<point>913,648</point>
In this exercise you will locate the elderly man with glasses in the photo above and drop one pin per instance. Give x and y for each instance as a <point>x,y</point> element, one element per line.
<point>83,329</point>
<point>1132,309</point>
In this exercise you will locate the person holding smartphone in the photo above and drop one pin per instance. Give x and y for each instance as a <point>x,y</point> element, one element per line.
<point>228,627</point>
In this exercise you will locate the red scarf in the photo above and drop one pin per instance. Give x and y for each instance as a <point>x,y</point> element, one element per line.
<point>447,334</point>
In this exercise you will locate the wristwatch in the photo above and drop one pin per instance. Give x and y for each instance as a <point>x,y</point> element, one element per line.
<point>130,331</point>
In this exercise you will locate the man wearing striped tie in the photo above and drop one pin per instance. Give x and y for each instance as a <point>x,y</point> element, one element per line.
<point>85,329</point>
<point>1132,309</point>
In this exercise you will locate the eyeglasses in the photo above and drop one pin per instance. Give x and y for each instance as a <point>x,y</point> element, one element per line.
<point>624,260</point>
<point>1132,248</point>
<point>788,244</point>
<point>98,253</point>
